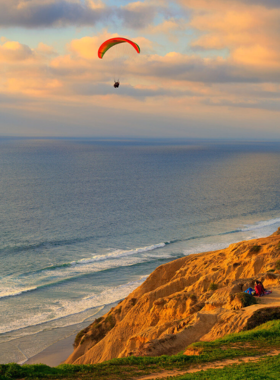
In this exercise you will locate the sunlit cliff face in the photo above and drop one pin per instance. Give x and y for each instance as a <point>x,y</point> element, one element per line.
<point>209,69</point>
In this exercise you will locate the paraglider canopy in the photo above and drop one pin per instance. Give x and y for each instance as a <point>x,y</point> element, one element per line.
<point>115,41</point>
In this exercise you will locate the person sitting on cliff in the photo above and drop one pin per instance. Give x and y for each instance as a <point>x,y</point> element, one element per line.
<point>259,289</point>
<point>262,286</point>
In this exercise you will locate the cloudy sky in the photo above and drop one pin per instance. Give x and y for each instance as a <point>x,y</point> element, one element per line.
<point>206,68</point>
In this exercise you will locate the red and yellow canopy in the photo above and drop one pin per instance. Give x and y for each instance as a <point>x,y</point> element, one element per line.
<point>114,41</point>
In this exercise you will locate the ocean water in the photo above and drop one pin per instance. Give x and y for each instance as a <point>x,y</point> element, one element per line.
<point>84,222</point>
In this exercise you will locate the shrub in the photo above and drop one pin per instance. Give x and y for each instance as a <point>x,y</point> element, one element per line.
<point>13,371</point>
<point>255,249</point>
<point>83,339</point>
<point>78,338</point>
<point>110,319</point>
<point>246,299</point>
<point>133,301</point>
<point>213,286</point>
<point>99,320</point>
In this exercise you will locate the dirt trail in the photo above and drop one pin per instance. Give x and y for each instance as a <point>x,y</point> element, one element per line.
<point>205,366</point>
<point>272,299</point>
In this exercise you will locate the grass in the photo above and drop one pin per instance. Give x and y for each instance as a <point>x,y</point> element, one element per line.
<point>265,369</point>
<point>266,335</point>
<point>260,340</point>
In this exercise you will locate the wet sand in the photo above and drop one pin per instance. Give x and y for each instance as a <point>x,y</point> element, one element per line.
<point>54,354</point>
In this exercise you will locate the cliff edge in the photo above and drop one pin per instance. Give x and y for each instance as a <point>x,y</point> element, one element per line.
<point>195,298</point>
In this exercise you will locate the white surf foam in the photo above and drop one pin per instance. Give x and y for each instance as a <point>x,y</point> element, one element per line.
<point>204,247</point>
<point>12,292</point>
<point>261,225</point>
<point>15,286</point>
<point>118,254</point>
<point>250,231</point>
<point>70,308</point>
<point>50,325</point>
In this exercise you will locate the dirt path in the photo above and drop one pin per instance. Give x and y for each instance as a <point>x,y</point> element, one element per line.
<point>272,299</point>
<point>205,366</point>
<point>269,300</point>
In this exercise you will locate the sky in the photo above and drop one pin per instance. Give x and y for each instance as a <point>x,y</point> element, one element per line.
<point>207,69</point>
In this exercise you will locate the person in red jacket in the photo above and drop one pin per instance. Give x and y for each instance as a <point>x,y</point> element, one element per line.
<point>259,289</point>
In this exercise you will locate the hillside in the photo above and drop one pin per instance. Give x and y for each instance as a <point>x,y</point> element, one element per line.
<point>249,355</point>
<point>195,298</point>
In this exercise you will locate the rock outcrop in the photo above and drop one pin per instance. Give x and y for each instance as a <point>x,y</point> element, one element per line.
<point>197,297</point>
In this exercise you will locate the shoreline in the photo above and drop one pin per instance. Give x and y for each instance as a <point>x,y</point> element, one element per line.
<point>59,351</point>
<point>54,354</point>
<point>199,297</point>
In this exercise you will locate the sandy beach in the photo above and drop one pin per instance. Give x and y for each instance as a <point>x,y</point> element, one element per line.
<point>54,354</point>
<point>59,351</point>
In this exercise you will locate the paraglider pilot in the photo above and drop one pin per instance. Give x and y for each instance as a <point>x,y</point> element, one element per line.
<point>116,84</point>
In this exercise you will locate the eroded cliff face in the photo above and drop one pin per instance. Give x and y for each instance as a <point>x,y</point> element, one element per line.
<point>197,297</point>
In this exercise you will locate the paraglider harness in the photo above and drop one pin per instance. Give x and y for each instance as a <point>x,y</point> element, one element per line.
<point>116,84</point>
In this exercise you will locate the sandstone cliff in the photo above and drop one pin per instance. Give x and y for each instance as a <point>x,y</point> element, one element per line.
<point>197,297</point>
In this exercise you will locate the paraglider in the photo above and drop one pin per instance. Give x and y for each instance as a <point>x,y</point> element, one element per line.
<point>112,43</point>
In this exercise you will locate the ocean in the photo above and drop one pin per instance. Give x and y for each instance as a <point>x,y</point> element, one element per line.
<point>84,222</point>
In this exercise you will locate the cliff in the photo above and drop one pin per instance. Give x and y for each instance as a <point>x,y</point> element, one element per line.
<point>195,298</point>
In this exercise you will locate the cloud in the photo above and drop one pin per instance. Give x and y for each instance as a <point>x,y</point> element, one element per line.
<point>47,13</point>
<point>248,30</point>
<point>168,26</point>
<point>229,78</point>
<point>14,51</point>
<point>266,3</point>
<point>137,15</point>
<point>138,92</point>
<point>87,47</point>
<point>46,50</point>
<point>174,85</point>
<point>181,67</point>
<point>61,13</point>
<point>269,105</point>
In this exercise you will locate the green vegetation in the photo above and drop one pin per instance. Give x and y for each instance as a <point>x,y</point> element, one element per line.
<point>265,369</point>
<point>79,336</point>
<point>277,265</point>
<point>260,340</point>
<point>111,321</point>
<point>264,336</point>
<point>213,286</point>
<point>98,320</point>
<point>133,301</point>
<point>96,331</point>
<point>255,249</point>
<point>246,299</point>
